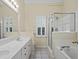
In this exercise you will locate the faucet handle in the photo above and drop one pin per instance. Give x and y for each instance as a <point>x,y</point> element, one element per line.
<point>75,42</point>
<point>65,47</point>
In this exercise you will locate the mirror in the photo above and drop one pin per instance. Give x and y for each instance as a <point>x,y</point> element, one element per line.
<point>8,21</point>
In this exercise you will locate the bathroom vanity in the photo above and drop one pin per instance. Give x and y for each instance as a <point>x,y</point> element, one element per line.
<point>19,48</point>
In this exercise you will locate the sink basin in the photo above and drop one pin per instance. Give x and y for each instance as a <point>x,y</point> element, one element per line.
<point>18,39</point>
<point>3,53</point>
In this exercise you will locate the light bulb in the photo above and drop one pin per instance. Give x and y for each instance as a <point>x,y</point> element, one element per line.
<point>17,6</point>
<point>12,0</point>
<point>14,3</point>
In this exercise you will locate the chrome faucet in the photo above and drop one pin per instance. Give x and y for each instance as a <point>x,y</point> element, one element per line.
<point>64,47</point>
<point>75,42</point>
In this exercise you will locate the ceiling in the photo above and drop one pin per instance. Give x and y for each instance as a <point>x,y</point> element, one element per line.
<point>44,1</point>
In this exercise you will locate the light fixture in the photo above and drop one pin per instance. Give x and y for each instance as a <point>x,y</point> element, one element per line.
<point>12,0</point>
<point>17,6</point>
<point>14,3</point>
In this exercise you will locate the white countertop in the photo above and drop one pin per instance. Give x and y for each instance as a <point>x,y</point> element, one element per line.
<point>13,47</point>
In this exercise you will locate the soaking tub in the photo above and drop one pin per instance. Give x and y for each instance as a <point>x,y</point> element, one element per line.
<point>67,53</point>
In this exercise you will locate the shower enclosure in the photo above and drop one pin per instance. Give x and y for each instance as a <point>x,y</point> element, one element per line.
<point>60,22</point>
<point>64,22</point>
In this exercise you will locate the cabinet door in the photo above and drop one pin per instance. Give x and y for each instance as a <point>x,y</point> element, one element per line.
<point>18,56</point>
<point>29,45</point>
<point>24,54</point>
<point>26,50</point>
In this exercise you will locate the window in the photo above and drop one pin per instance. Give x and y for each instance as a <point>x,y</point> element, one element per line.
<point>43,30</point>
<point>6,29</point>
<point>8,25</point>
<point>39,30</point>
<point>41,26</point>
<point>10,29</point>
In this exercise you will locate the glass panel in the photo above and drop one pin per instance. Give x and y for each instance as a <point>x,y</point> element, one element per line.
<point>6,29</point>
<point>10,29</point>
<point>39,30</point>
<point>43,30</point>
<point>64,22</point>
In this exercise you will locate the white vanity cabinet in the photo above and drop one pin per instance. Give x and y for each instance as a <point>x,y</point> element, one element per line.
<point>25,52</point>
<point>29,47</point>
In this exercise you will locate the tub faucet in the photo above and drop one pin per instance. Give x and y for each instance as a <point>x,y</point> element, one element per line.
<point>75,42</point>
<point>65,47</point>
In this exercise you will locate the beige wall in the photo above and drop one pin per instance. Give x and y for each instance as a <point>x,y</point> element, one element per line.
<point>21,15</point>
<point>33,10</point>
<point>70,5</point>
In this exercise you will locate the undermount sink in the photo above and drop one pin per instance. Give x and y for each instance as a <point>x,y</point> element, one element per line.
<point>3,53</point>
<point>18,39</point>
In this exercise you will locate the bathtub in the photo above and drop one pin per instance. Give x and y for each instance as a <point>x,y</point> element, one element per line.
<point>67,53</point>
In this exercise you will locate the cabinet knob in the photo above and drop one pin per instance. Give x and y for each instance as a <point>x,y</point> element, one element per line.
<point>25,54</point>
<point>24,48</point>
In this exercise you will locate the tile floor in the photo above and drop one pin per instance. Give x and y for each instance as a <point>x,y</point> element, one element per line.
<point>40,53</point>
